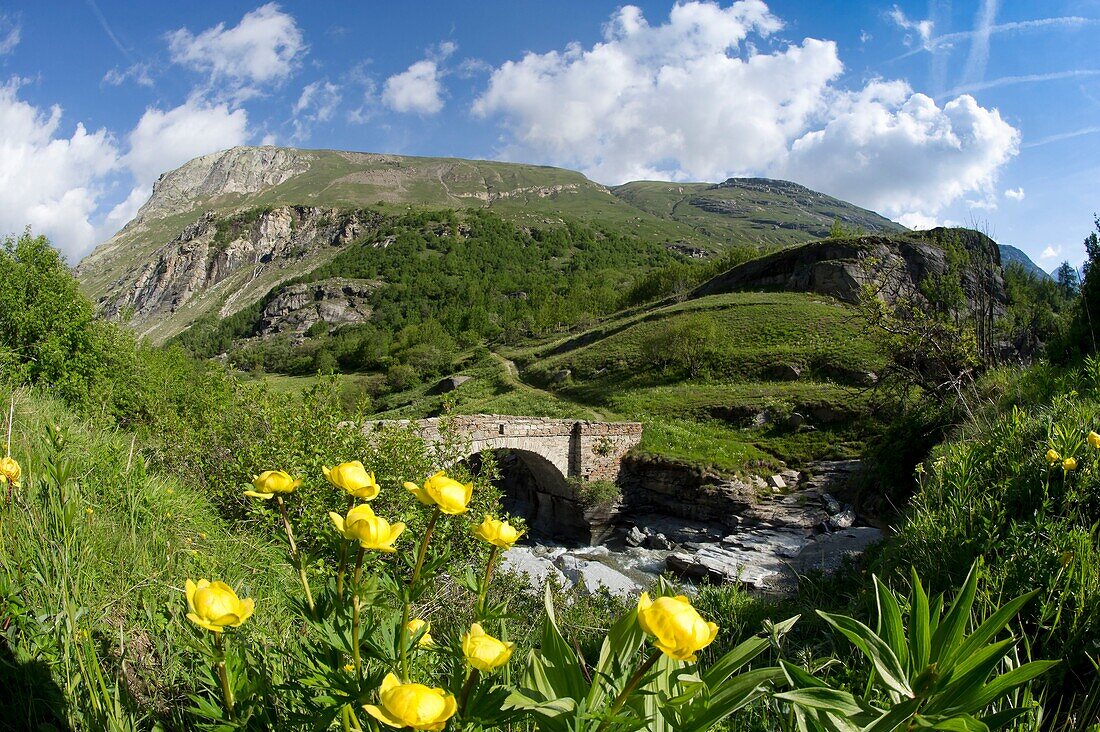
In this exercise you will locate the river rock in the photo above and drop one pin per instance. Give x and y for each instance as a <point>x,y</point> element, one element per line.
<point>827,552</point>
<point>537,566</point>
<point>659,542</point>
<point>842,520</point>
<point>635,537</point>
<point>593,575</point>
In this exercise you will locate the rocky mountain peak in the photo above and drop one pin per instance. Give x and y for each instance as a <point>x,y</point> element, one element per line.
<point>239,170</point>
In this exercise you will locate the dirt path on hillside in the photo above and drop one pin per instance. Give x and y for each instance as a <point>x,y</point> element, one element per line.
<point>511,371</point>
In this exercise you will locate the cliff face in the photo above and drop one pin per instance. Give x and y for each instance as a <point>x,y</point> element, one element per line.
<point>297,308</point>
<point>231,257</point>
<point>893,266</point>
<point>241,170</point>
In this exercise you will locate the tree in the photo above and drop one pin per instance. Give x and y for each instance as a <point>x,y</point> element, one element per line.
<point>1069,284</point>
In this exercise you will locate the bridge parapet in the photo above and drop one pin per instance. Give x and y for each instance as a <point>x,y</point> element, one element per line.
<point>578,449</point>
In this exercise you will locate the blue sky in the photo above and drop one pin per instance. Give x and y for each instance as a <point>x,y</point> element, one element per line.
<point>982,112</point>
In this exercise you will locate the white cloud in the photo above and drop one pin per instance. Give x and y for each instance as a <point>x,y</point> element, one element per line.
<point>419,88</point>
<point>139,72</point>
<point>1016,194</point>
<point>11,32</point>
<point>264,48</point>
<point>164,140</point>
<point>1050,253</point>
<point>920,222</point>
<point>692,99</point>
<point>686,99</point>
<point>896,153</point>
<point>922,28</point>
<point>52,182</point>
<point>317,103</point>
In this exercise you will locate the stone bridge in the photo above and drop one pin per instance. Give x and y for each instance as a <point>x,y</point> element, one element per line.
<point>541,461</point>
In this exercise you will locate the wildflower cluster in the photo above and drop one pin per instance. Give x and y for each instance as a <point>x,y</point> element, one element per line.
<point>367,661</point>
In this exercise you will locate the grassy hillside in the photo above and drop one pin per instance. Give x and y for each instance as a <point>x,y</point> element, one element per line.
<point>755,211</point>
<point>740,215</point>
<point>711,379</point>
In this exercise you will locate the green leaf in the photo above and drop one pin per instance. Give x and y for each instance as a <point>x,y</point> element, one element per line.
<point>945,641</point>
<point>961,723</point>
<point>994,624</point>
<point>733,695</point>
<point>1005,683</point>
<point>885,662</point>
<point>745,652</point>
<point>800,678</point>
<point>895,717</point>
<point>920,643</point>
<point>962,687</point>
<point>890,628</point>
<point>830,700</point>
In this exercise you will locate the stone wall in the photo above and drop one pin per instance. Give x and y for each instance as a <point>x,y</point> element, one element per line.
<point>582,450</point>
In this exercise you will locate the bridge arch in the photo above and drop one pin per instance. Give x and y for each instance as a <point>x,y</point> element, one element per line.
<point>534,488</point>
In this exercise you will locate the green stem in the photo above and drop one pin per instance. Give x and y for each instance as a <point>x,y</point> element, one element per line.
<point>343,560</point>
<point>223,676</point>
<point>404,630</point>
<point>471,680</point>
<point>340,572</point>
<point>631,685</point>
<point>485,583</point>
<point>424,546</point>
<point>355,612</point>
<point>296,557</point>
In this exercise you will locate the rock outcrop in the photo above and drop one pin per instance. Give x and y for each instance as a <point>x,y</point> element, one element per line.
<point>214,248</point>
<point>893,266</point>
<point>297,308</point>
<point>240,170</point>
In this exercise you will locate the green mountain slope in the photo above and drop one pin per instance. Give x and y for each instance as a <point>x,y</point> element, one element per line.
<point>752,210</point>
<point>1010,254</point>
<point>222,231</point>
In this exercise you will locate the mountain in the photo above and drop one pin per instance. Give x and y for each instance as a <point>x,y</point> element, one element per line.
<point>1010,254</point>
<point>769,212</point>
<point>224,230</point>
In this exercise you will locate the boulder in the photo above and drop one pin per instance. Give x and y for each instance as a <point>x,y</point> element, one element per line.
<point>590,576</point>
<point>450,383</point>
<point>785,372</point>
<point>635,537</point>
<point>659,542</point>
<point>537,566</point>
<point>776,482</point>
<point>843,520</point>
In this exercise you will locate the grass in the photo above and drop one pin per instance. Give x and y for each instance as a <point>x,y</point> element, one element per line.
<point>98,549</point>
<point>708,421</point>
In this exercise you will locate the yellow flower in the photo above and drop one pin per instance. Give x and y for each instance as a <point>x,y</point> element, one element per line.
<point>270,482</point>
<point>10,470</point>
<point>354,479</point>
<point>214,605</point>
<point>1094,440</point>
<point>372,532</point>
<point>348,667</point>
<point>483,651</point>
<point>1069,464</point>
<point>678,629</point>
<point>412,705</point>
<point>89,511</point>
<point>1053,456</point>
<point>498,533</point>
<point>448,494</point>
<point>413,627</point>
